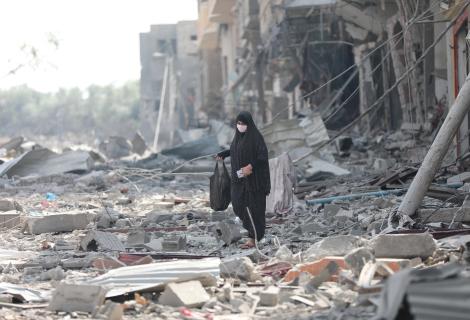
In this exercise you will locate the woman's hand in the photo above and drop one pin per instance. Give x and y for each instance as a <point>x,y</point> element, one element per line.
<point>248,170</point>
<point>219,158</point>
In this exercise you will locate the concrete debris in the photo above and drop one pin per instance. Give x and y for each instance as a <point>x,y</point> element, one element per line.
<point>10,219</point>
<point>138,144</point>
<point>357,259</point>
<point>65,222</point>
<point>269,297</point>
<point>189,294</point>
<point>403,246</point>
<point>174,244</point>
<point>10,205</point>
<point>101,241</point>
<point>43,162</point>
<point>109,311</point>
<point>77,298</point>
<point>228,232</point>
<point>238,268</point>
<point>333,246</point>
<point>115,147</point>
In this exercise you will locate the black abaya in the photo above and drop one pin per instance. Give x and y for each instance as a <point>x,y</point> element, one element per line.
<point>249,148</point>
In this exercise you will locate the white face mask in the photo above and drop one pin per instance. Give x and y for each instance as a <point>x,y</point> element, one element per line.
<point>242,128</point>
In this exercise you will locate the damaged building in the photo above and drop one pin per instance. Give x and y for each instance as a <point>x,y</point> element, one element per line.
<point>363,106</point>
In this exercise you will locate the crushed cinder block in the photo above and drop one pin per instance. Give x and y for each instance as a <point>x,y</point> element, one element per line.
<point>238,268</point>
<point>463,177</point>
<point>270,296</point>
<point>357,259</point>
<point>99,240</point>
<point>403,245</point>
<point>380,165</point>
<point>189,294</point>
<point>10,219</point>
<point>75,298</point>
<point>157,216</point>
<point>9,205</point>
<point>109,311</point>
<point>227,232</point>
<point>174,244</point>
<point>138,238</point>
<point>48,262</point>
<point>65,222</point>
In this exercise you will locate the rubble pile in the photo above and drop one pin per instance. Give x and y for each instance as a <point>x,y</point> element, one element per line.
<point>138,240</point>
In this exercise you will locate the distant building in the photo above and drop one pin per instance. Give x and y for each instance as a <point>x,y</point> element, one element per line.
<point>177,42</point>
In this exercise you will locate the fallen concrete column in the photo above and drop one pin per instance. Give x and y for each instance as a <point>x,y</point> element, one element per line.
<point>433,160</point>
<point>64,222</point>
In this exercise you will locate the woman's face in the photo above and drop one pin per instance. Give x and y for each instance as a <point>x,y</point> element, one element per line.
<point>241,127</point>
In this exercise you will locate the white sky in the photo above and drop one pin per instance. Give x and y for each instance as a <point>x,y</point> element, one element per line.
<point>99,39</point>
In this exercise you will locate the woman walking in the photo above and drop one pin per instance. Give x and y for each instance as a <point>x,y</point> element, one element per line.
<point>250,177</point>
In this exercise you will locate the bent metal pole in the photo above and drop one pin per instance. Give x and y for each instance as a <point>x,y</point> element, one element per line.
<point>433,160</point>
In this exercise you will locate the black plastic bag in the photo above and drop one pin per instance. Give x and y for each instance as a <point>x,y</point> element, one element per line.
<point>220,188</point>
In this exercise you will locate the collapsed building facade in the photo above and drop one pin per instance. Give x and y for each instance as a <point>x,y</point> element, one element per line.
<point>336,57</point>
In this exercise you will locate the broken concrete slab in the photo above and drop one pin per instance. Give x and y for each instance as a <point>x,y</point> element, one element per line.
<point>228,232</point>
<point>463,177</point>
<point>75,297</point>
<point>270,296</point>
<point>58,222</point>
<point>43,162</point>
<point>445,215</point>
<point>332,246</point>
<point>403,245</point>
<point>10,205</point>
<point>330,210</point>
<point>56,274</point>
<point>238,268</point>
<point>101,241</point>
<point>189,294</point>
<point>10,219</point>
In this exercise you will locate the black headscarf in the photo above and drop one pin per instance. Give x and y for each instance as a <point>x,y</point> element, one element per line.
<point>249,148</point>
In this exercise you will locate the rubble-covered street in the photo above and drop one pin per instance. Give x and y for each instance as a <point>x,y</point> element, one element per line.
<point>277,159</point>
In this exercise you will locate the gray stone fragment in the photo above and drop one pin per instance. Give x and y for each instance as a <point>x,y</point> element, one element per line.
<point>332,246</point>
<point>76,263</point>
<point>77,298</point>
<point>357,259</point>
<point>174,244</point>
<point>238,268</point>
<point>138,238</point>
<point>330,210</point>
<point>65,222</point>
<point>403,246</point>
<point>189,294</point>
<point>10,205</point>
<point>227,232</point>
<point>269,297</point>
<point>99,240</point>
<point>56,274</point>
<point>154,245</point>
<point>109,311</point>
